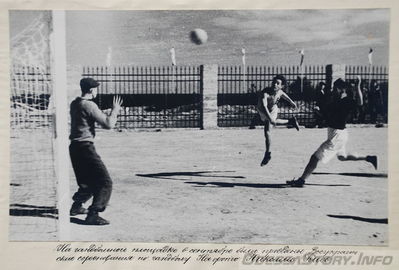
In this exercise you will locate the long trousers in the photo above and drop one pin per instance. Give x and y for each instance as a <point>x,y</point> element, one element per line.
<point>91,175</point>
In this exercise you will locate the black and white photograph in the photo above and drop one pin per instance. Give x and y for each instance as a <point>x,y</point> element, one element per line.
<point>266,126</point>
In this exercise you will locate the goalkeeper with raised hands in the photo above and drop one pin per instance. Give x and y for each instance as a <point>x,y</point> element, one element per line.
<point>91,174</point>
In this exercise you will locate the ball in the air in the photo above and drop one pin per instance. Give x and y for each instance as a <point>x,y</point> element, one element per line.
<point>198,36</point>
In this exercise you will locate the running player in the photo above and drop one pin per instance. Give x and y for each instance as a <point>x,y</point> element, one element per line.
<point>337,111</point>
<point>267,108</point>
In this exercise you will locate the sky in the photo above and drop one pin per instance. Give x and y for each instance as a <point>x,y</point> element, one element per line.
<point>270,37</point>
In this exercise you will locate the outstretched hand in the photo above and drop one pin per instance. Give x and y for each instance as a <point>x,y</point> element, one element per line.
<point>117,102</point>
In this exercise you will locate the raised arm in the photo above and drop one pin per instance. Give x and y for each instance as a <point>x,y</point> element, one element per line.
<point>108,121</point>
<point>287,98</point>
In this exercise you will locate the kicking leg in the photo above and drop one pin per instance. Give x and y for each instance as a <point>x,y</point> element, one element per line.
<point>282,122</point>
<point>292,121</point>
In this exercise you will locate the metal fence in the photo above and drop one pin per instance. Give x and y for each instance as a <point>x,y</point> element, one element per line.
<point>237,88</point>
<point>153,97</point>
<point>161,97</point>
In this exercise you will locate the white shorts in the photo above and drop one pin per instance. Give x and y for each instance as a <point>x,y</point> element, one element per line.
<point>333,146</point>
<point>273,114</point>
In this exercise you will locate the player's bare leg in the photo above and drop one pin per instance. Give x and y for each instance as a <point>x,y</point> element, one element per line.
<point>267,155</point>
<point>309,169</point>
<point>313,162</point>
<point>353,157</point>
<point>284,122</point>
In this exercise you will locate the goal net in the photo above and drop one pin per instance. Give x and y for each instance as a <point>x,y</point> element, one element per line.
<point>33,183</point>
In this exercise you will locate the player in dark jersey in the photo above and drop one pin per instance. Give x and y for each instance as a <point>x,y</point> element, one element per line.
<point>267,108</point>
<point>337,111</point>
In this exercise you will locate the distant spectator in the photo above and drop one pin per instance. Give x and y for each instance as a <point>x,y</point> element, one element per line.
<point>256,119</point>
<point>375,101</point>
<point>384,92</point>
<point>353,91</point>
<point>252,88</point>
<point>322,95</point>
<point>361,116</point>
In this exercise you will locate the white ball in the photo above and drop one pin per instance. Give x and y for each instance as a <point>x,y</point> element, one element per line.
<point>198,36</point>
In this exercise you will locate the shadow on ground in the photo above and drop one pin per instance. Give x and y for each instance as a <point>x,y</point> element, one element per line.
<point>226,184</point>
<point>78,221</point>
<point>15,185</point>
<point>328,185</point>
<point>25,210</point>
<point>371,175</point>
<point>169,175</point>
<point>369,220</point>
<point>214,174</point>
<point>253,185</point>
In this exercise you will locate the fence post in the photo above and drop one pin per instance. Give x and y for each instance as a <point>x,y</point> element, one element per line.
<point>334,72</point>
<point>209,81</point>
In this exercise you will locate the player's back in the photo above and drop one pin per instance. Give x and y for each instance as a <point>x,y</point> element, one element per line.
<point>339,110</point>
<point>82,124</point>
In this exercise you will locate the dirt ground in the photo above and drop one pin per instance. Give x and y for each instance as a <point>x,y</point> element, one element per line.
<point>207,186</point>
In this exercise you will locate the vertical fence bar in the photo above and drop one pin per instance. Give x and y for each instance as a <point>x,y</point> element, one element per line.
<point>169,93</point>
<point>135,109</point>
<point>140,85</point>
<point>201,90</point>
<point>219,93</point>
<point>146,91</point>
<point>122,94</point>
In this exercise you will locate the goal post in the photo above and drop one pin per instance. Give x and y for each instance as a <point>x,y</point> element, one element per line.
<point>58,57</point>
<point>39,159</point>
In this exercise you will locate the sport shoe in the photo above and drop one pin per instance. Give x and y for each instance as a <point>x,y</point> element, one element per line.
<point>77,209</point>
<point>95,219</point>
<point>373,160</point>
<point>294,122</point>
<point>296,183</point>
<point>266,159</point>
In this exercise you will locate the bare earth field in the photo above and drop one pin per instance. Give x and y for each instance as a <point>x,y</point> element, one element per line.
<point>207,187</point>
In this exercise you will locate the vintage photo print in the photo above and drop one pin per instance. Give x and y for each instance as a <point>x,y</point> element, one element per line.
<point>200,126</point>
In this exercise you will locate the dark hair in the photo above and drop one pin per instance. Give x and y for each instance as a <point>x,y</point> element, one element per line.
<point>279,77</point>
<point>341,84</point>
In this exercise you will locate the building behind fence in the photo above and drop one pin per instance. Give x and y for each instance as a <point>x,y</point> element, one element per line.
<point>183,96</point>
